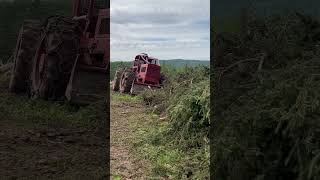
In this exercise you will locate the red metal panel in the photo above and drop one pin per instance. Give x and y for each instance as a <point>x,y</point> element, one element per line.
<point>153,74</point>
<point>97,44</point>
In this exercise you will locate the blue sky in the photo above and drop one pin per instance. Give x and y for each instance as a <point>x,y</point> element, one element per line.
<point>166,29</point>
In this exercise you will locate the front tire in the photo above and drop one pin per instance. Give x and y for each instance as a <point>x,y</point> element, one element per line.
<point>55,58</point>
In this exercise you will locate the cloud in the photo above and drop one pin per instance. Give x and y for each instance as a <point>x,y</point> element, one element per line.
<point>165,29</point>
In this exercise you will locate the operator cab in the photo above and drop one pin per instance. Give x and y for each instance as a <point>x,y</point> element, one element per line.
<point>154,61</point>
<point>93,16</point>
<point>143,58</point>
<point>147,69</point>
<point>94,19</point>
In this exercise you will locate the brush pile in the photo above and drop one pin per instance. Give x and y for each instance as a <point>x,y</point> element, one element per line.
<point>184,100</point>
<point>184,107</point>
<point>266,114</point>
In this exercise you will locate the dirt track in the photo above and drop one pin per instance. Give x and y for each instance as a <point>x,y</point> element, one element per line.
<point>62,151</point>
<point>42,152</point>
<point>123,162</point>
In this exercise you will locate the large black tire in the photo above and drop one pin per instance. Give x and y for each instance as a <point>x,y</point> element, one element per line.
<point>127,81</point>
<point>117,80</point>
<point>23,56</point>
<point>50,75</point>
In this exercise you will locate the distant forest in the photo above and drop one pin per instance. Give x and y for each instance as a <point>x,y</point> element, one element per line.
<point>13,13</point>
<point>181,62</point>
<point>173,63</point>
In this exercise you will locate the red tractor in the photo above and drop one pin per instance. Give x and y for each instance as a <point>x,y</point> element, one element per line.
<point>65,57</point>
<point>145,72</point>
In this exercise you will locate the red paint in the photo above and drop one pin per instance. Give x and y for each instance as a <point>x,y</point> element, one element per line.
<point>94,42</point>
<point>147,70</point>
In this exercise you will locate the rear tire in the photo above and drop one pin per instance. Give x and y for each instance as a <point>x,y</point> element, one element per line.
<point>55,58</point>
<point>117,80</point>
<point>23,56</point>
<point>127,80</point>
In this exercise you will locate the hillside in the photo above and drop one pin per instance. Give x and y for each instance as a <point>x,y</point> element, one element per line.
<point>175,63</point>
<point>181,62</point>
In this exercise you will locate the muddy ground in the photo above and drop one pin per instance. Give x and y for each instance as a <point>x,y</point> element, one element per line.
<point>49,153</point>
<point>64,151</point>
<point>31,150</point>
<point>52,151</point>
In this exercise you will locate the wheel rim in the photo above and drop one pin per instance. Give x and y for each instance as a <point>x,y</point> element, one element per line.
<point>38,69</point>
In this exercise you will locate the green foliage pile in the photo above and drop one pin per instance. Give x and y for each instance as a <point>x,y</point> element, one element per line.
<point>266,110</point>
<point>183,136</point>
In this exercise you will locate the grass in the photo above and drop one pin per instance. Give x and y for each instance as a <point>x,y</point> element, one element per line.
<point>161,160</point>
<point>166,159</point>
<point>176,145</point>
<point>125,97</point>
<point>22,109</point>
<point>116,177</point>
<point>181,138</point>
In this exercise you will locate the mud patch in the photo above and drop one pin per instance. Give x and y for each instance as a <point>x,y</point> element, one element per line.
<point>43,152</point>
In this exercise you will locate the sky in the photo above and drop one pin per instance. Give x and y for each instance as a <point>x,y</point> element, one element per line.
<point>166,29</point>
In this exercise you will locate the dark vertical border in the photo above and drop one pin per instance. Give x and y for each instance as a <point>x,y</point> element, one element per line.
<point>211,86</point>
<point>107,137</point>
